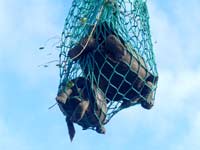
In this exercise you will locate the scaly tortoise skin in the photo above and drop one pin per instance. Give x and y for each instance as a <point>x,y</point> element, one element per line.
<point>82,105</point>
<point>118,61</point>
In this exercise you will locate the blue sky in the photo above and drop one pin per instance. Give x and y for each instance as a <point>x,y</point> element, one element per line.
<point>26,90</point>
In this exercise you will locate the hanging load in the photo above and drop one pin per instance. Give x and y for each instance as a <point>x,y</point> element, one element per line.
<point>106,44</point>
<point>82,105</point>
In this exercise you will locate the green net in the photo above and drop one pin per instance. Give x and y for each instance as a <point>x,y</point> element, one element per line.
<point>106,60</point>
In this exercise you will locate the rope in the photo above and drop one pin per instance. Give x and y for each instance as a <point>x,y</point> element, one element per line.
<point>90,36</point>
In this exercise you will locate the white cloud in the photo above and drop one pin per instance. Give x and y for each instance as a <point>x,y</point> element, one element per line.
<point>168,49</point>
<point>26,27</point>
<point>3,17</point>
<point>191,139</point>
<point>171,122</point>
<point>176,104</point>
<point>188,20</point>
<point>193,134</point>
<point>176,33</point>
<point>173,119</point>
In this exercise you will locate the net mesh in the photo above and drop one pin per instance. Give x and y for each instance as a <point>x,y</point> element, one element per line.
<point>108,44</point>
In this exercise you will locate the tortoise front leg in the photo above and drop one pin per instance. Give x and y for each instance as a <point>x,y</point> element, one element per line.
<point>80,110</point>
<point>101,129</point>
<point>63,96</point>
<point>148,95</point>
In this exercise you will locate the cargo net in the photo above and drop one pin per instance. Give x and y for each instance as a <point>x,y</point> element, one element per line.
<point>106,61</point>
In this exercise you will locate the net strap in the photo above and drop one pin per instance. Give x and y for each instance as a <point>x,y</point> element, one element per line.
<point>91,33</point>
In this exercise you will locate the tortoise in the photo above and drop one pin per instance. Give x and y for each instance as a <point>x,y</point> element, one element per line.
<point>122,75</point>
<point>83,104</point>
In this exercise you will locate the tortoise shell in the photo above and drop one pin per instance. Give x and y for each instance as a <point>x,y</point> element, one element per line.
<point>121,75</point>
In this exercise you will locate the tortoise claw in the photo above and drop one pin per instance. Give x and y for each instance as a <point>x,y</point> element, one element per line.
<point>101,129</point>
